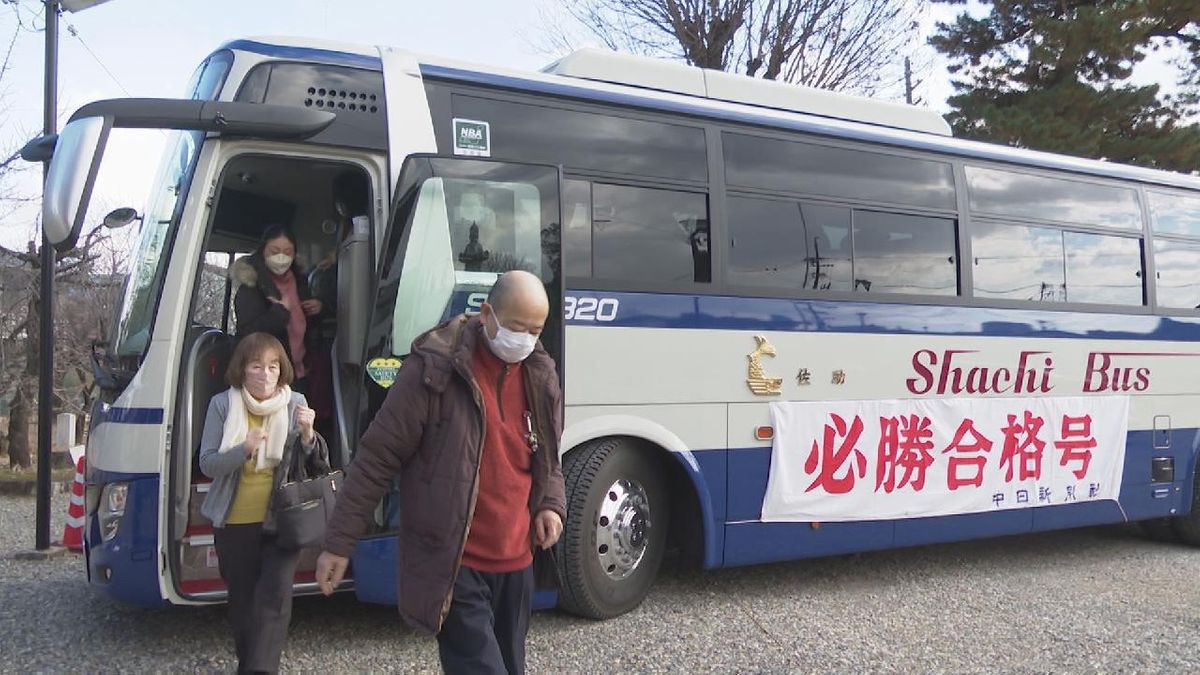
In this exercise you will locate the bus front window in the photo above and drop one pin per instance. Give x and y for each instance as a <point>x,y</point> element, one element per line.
<point>148,264</point>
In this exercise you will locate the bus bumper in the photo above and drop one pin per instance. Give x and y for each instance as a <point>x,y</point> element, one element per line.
<point>125,566</point>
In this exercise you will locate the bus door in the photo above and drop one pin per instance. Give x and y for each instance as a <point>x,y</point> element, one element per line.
<point>456,225</point>
<point>169,344</point>
<point>317,191</point>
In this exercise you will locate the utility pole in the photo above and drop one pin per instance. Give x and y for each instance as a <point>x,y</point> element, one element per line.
<point>46,291</point>
<point>908,85</point>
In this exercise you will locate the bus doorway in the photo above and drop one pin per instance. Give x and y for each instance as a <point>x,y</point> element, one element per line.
<point>326,205</point>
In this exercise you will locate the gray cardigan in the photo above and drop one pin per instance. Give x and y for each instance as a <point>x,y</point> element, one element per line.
<point>224,468</point>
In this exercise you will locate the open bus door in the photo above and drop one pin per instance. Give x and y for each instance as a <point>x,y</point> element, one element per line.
<point>456,225</point>
<point>130,471</point>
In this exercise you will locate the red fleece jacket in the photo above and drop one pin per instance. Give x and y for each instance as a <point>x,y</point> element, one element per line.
<point>499,540</point>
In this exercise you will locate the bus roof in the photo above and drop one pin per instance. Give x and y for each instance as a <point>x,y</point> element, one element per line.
<point>587,77</point>
<point>648,73</point>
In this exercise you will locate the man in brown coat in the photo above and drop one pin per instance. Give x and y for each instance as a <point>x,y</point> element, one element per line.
<point>472,427</point>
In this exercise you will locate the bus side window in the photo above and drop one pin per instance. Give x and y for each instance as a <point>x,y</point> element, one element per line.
<point>211,305</point>
<point>650,234</point>
<point>577,228</point>
<point>828,247</point>
<point>897,253</point>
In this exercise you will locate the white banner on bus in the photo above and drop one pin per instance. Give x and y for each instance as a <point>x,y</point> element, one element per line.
<point>878,460</point>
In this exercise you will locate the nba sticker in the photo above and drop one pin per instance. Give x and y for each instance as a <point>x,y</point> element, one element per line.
<point>383,371</point>
<point>472,138</point>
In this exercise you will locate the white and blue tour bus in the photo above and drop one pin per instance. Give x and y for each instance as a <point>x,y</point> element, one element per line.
<point>790,323</point>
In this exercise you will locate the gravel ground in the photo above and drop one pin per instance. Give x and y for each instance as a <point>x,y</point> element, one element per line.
<point>1098,600</point>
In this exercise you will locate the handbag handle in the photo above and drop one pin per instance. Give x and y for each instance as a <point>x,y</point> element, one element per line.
<point>293,462</point>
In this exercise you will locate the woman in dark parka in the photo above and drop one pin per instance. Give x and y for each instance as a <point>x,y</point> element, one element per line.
<point>273,296</point>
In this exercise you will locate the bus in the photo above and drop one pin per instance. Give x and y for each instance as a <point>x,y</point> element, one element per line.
<point>790,323</point>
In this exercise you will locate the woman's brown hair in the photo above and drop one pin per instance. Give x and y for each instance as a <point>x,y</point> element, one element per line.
<point>252,347</point>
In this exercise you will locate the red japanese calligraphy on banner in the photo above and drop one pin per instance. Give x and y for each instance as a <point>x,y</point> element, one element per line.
<point>876,460</point>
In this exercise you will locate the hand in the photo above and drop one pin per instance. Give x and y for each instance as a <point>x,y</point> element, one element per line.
<point>254,438</point>
<point>547,527</point>
<point>311,307</point>
<point>330,570</point>
<point>305,417</point>
<point>278,301</point>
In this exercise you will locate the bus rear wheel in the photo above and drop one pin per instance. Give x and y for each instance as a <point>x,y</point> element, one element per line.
<point>616,529</point>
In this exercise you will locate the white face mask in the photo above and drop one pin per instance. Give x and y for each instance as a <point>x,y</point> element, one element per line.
<point>279,263</point>
<point>509,345</point>
<point>261,383</point>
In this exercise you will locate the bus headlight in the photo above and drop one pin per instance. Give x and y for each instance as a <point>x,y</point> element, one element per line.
<point>112,508</point>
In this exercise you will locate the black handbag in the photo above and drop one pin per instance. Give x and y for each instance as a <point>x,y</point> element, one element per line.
<point>303,504</point>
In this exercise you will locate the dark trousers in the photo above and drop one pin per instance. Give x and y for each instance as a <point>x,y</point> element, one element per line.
<point>489,617</point>
<point>259,577</point>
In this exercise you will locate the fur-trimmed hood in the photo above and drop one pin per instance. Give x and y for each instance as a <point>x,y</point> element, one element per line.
<point>243,273</point>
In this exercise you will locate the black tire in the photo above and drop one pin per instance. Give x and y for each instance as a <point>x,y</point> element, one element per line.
<point>1187,528</point>
<point>601,581</point>
<point>1159,529</point>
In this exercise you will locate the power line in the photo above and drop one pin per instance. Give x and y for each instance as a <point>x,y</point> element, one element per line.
<point>18,5</point>
<point>75,34</point>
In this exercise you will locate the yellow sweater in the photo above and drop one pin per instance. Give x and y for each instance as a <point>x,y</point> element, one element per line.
<point>253,489</point>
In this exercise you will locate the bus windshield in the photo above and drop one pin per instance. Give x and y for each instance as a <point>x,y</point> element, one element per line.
<point>147,266</point>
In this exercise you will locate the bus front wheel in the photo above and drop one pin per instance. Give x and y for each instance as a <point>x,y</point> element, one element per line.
<point>1186,528</point>
<point>616,529</point>
<point>1159,529</point>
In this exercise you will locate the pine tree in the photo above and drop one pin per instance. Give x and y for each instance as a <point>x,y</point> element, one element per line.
<point>1054,75</point>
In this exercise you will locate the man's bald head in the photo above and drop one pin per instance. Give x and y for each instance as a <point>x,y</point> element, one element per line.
<point>518,299</point>
<point>517,288</point>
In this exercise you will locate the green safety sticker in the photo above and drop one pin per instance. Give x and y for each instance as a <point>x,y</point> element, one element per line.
<point>383,371</point>
<point>472,138</point>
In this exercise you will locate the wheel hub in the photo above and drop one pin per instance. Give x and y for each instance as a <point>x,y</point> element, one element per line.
<point>622,528</point>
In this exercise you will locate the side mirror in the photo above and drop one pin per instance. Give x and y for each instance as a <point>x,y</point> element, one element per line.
<point>72,175</point>
<point>118,218</point>
<point>40,149</point>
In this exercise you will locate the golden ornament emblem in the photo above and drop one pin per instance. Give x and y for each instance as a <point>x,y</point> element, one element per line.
<point>757,379</point>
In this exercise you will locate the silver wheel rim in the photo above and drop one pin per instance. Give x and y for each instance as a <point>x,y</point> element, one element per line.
<point>622,528</point>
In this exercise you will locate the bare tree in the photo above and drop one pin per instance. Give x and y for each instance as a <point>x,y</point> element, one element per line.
<point>12,276</point>
<point>86,297</point>
<point>854,46</point>
<point>84,292</point>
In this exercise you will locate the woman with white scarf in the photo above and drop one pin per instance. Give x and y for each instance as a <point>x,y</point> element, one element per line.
<point>247,431</point>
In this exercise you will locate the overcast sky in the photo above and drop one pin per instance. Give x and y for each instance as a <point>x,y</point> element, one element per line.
<point>150,48</point>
